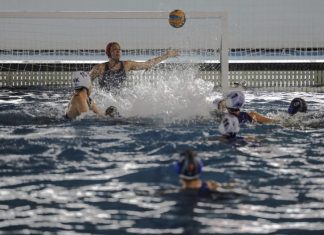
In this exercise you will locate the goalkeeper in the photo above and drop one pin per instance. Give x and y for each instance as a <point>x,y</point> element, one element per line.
<point>113,74</point>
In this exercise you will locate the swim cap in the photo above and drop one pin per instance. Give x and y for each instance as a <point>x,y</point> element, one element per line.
<point>229,125</point>
<point>81,79</point>
<point>234,100</point>
<point>189,166</point>
<point>108,47</point>
<point>297,105</point>
<point>112,111</point>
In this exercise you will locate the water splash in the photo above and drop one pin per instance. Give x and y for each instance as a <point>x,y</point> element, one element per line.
<point>170,95</point>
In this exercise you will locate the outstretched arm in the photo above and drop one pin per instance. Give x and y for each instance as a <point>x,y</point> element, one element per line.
<point>96,72</point>
<point>262,119</point>
<point>213,185</point>
<point>133,65</point>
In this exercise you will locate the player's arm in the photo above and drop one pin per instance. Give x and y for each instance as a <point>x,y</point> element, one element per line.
<point>72,111</point>
<point>133,65</point>
<point>261,119</point>
<point>95,109</point>
<point>213,185</point>
<point>96,71</point>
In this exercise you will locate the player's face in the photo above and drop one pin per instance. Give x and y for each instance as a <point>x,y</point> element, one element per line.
<point>115,51</point>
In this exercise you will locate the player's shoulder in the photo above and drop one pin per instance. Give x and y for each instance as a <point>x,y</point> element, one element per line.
<point>129,64</point>
<point>99,66</point>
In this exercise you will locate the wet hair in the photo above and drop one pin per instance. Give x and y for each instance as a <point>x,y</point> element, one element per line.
<point>297,105</point>
<point>189,166</point>
<point>108,48</point>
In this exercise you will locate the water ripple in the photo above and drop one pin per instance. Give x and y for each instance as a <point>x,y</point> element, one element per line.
<point>101,176</point>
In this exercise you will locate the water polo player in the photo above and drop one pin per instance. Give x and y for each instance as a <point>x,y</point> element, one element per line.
<point>233,102</point>
<point>113,74</point>
<point>81,101</point>
<point>189,167</point>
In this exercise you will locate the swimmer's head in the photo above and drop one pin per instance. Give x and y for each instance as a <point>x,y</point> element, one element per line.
<point>109,46</point>
<point>189,166</point>
<point>80,80</point>
<point>297,105</point>
<point>229,126</point>
<point>234,100</point>
<point>112,111</point>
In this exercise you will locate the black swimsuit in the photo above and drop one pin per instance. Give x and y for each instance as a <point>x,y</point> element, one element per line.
<point>113,79</point>
<point>244,117</point>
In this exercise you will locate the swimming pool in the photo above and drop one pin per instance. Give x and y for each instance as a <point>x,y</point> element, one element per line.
<point>104,176</point>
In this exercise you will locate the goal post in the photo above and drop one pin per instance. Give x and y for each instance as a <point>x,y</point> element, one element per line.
<point>78,37</point>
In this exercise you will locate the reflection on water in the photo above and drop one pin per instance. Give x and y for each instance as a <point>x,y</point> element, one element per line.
<point>101,176</point>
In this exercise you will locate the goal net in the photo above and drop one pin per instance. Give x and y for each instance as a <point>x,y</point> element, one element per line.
<point>42,48</point>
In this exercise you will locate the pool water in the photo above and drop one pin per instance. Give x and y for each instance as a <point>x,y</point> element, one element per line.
<point>116,176</point>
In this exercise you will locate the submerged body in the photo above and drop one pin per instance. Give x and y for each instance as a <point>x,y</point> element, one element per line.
<point>252,117</point>
<point>202,187</point>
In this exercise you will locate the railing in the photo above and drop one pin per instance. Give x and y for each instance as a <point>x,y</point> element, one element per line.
<point>276,77</point>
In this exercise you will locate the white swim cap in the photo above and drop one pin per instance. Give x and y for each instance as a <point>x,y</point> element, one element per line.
<point>229,125</point>
<point>235,99</point>
<point>81,79</point>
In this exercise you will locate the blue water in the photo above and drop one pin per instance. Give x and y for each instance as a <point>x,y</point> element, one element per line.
<point>103,176</point>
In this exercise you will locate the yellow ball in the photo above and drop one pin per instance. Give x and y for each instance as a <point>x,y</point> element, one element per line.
<point>177,18</point>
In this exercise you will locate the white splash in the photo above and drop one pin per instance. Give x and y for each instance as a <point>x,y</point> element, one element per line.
<point>170,95</point>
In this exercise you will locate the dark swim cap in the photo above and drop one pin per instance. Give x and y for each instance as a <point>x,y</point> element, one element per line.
<point>189,166</point>
<point>112,111</point>
<point>297,105</point>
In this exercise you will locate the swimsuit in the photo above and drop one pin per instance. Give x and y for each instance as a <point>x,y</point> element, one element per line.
<point>244,117</point>
<point>112,79</point>
<point>204,190</point>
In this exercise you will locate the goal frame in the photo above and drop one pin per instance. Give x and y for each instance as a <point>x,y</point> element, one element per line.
<point>221,15</point>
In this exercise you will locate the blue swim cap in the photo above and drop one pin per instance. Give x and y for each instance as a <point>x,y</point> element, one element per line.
<point>297,105</point>
<point>189,166</point>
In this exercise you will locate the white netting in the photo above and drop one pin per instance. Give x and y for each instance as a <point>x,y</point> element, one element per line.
<point>65,38</point>
<point>83,38</point>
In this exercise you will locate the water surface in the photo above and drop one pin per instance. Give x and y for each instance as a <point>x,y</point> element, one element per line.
<point>103,176</point>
